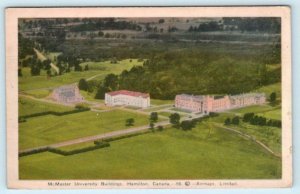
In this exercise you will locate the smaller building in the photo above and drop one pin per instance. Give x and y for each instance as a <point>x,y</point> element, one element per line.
<point>127,98</point>
<point>67,94</point>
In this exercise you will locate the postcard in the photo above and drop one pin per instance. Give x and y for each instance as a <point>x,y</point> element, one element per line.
<point>148,97</point>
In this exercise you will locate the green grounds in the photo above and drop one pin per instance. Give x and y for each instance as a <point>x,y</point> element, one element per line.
<point>28,106</point>
<point>41,93</point>
<point>98,70</point>
<point>202,153</point>
<point>160,102</point>
<point>44,130</point>
<point>270,136</point>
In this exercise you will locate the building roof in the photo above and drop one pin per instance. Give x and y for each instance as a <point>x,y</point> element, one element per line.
<point>128,93</point>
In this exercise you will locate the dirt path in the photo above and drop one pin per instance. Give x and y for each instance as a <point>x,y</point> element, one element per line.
<point>248,137</point>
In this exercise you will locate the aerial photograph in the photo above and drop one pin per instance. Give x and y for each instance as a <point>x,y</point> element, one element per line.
<point>149,98</point>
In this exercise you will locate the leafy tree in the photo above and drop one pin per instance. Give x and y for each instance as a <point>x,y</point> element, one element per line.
<point>130,122</point>
<point>187,125</point>
<point>20,72</point>
<point>174,119</point>
<point>100,33</point>
<point>235,120</point>
<point>35,70</point>
<point>83,85</point>
<point>248,116</point>
<point>101,92</point>
<point>227,121</point>
<point>272,97</point>
<point>151,125</point>
<point>153,117</point>
<point>161,21</point>
<point>111,81</point>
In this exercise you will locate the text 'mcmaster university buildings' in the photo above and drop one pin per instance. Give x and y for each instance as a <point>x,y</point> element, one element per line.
<point>128,98</point>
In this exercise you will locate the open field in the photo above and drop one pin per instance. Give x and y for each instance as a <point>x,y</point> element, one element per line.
<point>271,88</point>
<point>254,109</point>
<point>44,130</point>
<point>28,82</point>
<point>42,93</point>
<point>171,154</point>
<point>28,106</point>
<point>273,114</point>
<point>161,102</point>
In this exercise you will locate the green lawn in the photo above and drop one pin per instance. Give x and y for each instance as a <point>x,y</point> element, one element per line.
<point>28,106</point>
<point>273,114</point>
<point>271,88</point>
<point>44,130</point>
<point>161,102</point>
<point>42,93</point>
<point>117,67</point>
<point>171,154</point>
<point>254,109</point>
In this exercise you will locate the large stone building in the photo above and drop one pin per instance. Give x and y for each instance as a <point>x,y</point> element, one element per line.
<point>67,94</point>
<point>127,98</point>
<point>205,103</point>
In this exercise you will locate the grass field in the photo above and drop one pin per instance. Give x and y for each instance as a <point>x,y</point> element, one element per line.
<point>254,109</point>
<point>273,114</point>
<point>44,130</point>
<point>28,106</point>
<point>161,102</point>
<point>271,88</point>
<point>171,154</point>
<point>42,93</point>
<point>97,69</point>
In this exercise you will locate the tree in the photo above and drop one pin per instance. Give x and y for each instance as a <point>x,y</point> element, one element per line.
<point>20,72</point>
<point>227,121</point>
<point>235,120</point>
<point>248,116</point>
<point>83,85</point>
<point>272,97</point>
<point>151,125</point>
<point>174,119</point>
<point>111,81</point>
<point>130,122</point>
<point>86,67</point>
<point>161,21</point>
<point>100,33</point>
<point>101,92</point>
<point>186,125</point>
<point>153,117</point>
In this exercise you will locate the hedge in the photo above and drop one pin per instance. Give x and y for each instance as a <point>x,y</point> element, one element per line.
<point>23,118</point>
<point>120,137</point>
<point>81,150</point>
<point>35,151</point>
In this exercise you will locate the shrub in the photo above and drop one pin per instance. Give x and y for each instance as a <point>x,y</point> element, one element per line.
<point>160,128</point>
<point>82,106</point>
<point>227,121</point>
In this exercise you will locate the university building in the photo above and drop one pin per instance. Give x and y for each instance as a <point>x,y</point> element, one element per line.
<point>127,98</point>
<point>67,94</point>
<point>206,103</point>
